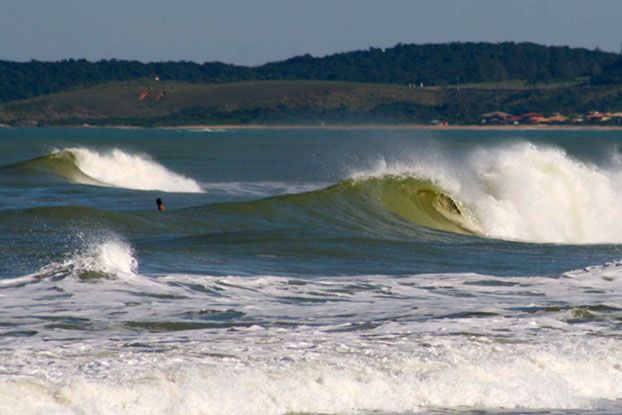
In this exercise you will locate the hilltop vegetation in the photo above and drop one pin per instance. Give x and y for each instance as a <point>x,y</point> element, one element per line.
<point>454,82</point>
<point>430,65</point>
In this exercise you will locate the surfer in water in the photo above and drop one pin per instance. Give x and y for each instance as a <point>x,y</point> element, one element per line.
<point>160,205</point>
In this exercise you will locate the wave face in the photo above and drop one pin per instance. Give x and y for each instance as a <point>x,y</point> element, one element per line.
<point>382,205</point>
<point>522,192</point>
<point>114,168</point>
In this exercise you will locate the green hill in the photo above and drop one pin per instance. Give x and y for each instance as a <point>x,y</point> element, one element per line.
<point>152,103</point>
<point>182,102</point>
<point>428,65</point>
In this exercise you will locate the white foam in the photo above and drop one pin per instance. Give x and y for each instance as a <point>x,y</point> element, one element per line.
<point>117,168</point>
<point>419,353</point>
<point>336,379</point>
<point>204,130</point>
<point>527,192</point>
<point>107,257</point>
<point>112,256</point>
<point>540,194</point>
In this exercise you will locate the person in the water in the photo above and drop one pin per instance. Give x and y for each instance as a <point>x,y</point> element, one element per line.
<point>160,205</point>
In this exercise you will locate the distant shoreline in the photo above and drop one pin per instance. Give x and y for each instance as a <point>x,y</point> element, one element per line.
<point>344,127</point>
<point>391,127</point>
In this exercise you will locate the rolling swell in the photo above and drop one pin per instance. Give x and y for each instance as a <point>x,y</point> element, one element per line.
<point>384,202</point>
<point>386,207</point>
<point>59,163</point>
<point>520,192</point>
<point>383,207</point>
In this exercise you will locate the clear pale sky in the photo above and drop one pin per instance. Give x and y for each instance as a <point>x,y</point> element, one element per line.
<point>252,32</point>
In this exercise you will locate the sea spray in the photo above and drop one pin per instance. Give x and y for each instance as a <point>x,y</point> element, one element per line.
<point>105,257</point>
<point>118,168</point>
<point>524,192</point>
<point>541,194</point>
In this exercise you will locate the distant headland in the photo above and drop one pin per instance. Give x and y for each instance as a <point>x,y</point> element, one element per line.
<point>504,84</point>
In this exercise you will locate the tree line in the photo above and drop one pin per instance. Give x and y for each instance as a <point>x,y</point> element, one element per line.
<point>428,65</point>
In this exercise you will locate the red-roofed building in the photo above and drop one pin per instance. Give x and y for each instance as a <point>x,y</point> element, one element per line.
<point>496,117</point>
<point>533,118</point>
<point>596,116</point>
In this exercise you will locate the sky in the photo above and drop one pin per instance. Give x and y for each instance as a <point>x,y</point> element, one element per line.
<point>253,32</point>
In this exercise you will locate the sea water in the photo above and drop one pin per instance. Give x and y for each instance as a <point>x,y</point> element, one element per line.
<point>320,271</point>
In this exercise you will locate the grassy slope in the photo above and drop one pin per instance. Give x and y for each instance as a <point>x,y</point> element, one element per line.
<point>119,100</point>
<point>299,101</point>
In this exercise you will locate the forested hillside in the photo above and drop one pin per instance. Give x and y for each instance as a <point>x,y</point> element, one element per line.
<point>430,65</point>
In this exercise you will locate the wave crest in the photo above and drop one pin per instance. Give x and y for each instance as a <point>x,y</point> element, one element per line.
<point>114,168</point>
<point>415,199</point>
<point>525,192</point>
<point>111,258</point>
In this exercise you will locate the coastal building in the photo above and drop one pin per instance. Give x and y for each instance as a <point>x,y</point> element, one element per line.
<point>532,118</point>
<point>514,119</point>
<point>557,118</point>
<point>495,117</point>
<point>596,116</point>
<point>499,117</point>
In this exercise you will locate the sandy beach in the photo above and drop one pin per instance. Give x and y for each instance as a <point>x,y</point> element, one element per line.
<point>394,127</point>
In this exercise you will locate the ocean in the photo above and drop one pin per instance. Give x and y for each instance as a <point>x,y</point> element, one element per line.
<point>310,271</point>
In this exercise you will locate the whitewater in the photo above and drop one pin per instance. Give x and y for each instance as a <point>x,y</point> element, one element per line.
<point>310,271</point>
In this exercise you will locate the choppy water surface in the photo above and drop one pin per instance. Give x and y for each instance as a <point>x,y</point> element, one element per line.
<point>310,271</point>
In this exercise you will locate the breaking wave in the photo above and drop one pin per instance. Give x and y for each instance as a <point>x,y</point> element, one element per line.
<point>382,204</point>
<point>108,258</point>
<point>522,192</point>
<point>114,168</point>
